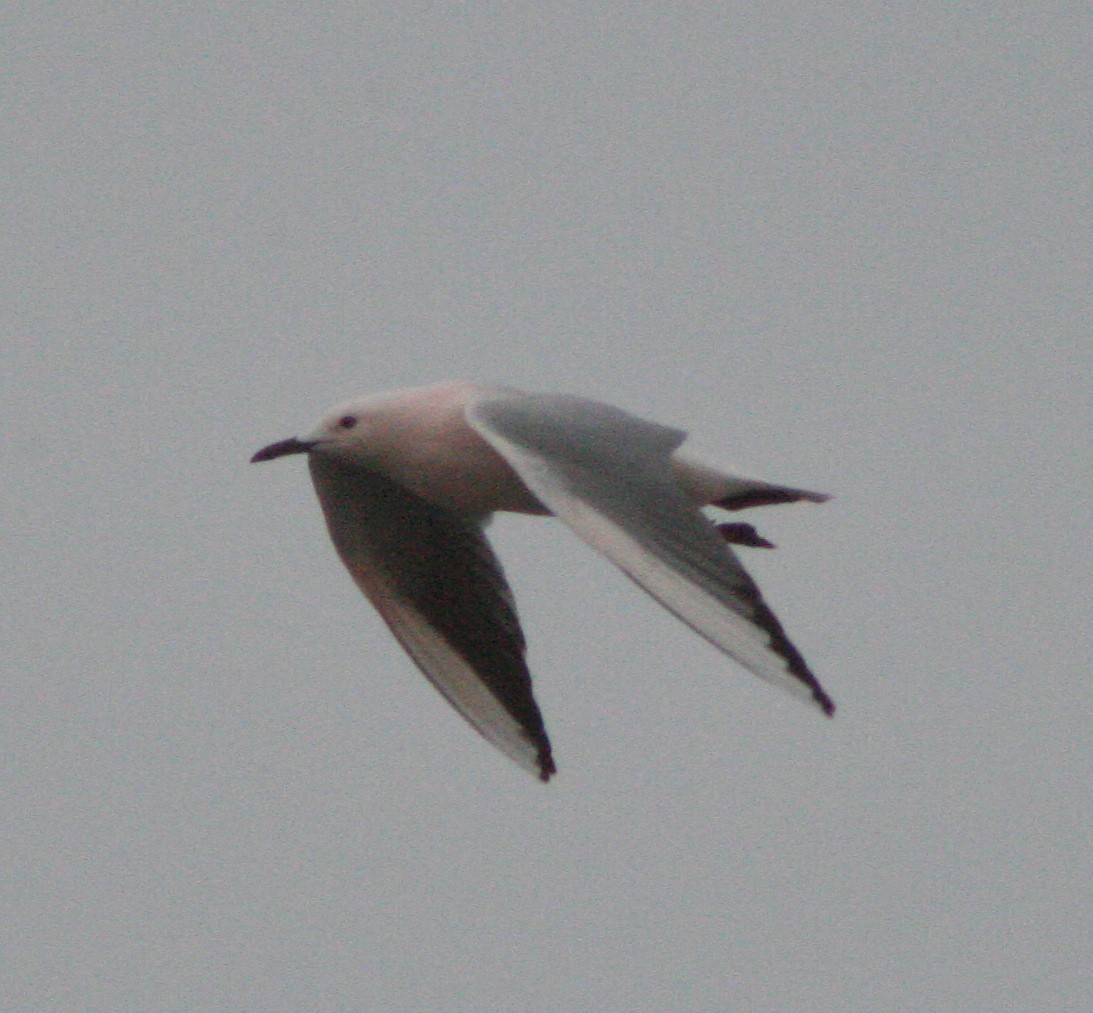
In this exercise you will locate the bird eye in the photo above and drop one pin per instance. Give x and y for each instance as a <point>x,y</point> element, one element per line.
<point>347,421</point>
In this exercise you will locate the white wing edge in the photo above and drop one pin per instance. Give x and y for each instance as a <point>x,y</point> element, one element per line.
<point>709,617</point>
<point>456,681</point>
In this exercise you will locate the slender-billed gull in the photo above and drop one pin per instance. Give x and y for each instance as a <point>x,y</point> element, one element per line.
<point>407,481</point>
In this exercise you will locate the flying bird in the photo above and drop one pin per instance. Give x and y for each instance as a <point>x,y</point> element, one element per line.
<point>407,481</point>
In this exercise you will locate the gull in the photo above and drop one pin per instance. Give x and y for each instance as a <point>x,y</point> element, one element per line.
<point>407,481</point>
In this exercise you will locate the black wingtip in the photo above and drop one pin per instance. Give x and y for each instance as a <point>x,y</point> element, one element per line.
<point>769,496</point>
<point>546,764</point>
<point>825,702</point>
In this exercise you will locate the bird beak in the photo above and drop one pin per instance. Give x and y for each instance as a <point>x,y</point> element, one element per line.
<point>280,449</point>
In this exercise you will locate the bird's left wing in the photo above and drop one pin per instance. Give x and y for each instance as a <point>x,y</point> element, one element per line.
<point>437,584</point>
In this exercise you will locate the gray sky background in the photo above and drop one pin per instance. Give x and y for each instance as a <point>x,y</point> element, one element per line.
<point>843,245</point>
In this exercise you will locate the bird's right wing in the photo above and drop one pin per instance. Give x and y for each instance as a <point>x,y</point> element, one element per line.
<point>437,584</point>
<point>609,476</point>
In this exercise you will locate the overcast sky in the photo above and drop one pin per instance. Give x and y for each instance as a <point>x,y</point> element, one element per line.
<point>844,246</point>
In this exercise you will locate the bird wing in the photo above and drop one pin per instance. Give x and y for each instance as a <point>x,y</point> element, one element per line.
<point>608,475</point>
<point>435,580</point>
